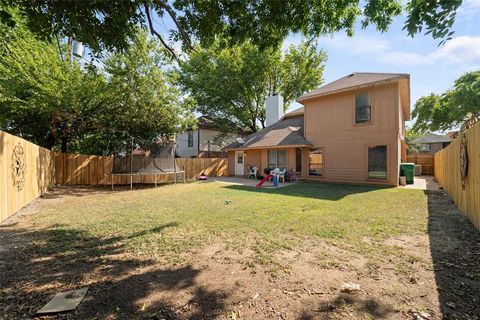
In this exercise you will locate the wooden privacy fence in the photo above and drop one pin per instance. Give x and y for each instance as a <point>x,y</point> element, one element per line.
<point>448,174</point>
<point>26,171</point>
<point>425,160</point>
<point>90,170</point>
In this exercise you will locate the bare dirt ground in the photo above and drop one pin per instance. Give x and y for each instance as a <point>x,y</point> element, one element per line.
<point>439,277</point>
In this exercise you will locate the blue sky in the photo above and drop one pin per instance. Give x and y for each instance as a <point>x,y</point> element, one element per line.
<point>431,68</point>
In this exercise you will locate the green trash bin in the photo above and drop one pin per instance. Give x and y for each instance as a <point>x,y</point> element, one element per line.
<point>408,171</point>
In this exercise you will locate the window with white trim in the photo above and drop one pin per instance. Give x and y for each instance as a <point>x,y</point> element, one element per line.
<point>190,138</point>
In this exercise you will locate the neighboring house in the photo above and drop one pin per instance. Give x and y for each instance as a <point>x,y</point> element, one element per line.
<point>452,134</point>
<point>431,142</point>
<point>351,130</point>
<point>206,141</point>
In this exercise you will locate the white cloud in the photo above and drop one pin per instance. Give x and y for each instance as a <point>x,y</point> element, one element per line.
<point>463,50</point>
<point>358,44</point>
<point>469,5</point>
<point>468,12</point>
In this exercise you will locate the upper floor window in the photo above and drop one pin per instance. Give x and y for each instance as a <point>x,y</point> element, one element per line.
<point>362,108</point>
<point>190,138</point>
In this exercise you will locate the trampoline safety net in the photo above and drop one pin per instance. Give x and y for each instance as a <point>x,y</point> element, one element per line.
<point>151,159</point>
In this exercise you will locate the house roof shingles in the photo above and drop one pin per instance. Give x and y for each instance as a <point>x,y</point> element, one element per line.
<point>286,132</point>
<point>433,138</point>
<point>351,81</point>
<point>295,113</point>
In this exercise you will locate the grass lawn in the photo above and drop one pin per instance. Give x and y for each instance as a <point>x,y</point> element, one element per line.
<point>215,251</point>
<point>171,221</point>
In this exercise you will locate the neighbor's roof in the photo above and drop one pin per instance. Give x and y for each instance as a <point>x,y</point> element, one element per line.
<point>351,81</point>
<point>207,122</point>
<point>433,138</point>
<point>287,132</point>
<point>295,113</point>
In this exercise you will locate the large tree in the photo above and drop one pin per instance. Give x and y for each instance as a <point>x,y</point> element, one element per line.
<point>449,109</point>
<point>43,97</point>
<point>62,105</point>
<point>144,101</point>
<point>233,83</point>
<point>111,24</point>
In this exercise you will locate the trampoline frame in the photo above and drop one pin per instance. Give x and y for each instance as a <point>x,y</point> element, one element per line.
<point>175,172</point>
<point>155,174</point>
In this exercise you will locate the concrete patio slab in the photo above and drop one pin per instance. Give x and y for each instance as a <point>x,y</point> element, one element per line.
<point>423,183</point>
<point>247,182</point>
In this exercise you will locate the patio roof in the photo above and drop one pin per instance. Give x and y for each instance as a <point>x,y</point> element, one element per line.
<point>284,133</point>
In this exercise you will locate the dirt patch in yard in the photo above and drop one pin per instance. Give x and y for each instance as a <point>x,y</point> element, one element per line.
<point>435,275</point>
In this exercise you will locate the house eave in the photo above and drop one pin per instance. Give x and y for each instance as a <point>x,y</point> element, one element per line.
<point>269,147</point>
<point>305,98</point>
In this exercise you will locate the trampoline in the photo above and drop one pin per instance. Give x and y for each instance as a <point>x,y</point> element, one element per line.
<point>151,159</point>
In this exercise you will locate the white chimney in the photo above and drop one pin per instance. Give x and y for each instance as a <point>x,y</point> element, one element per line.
<point>274,105</point>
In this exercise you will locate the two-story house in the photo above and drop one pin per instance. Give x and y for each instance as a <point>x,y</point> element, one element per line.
<point>204,141</point>
<point>350,130</point>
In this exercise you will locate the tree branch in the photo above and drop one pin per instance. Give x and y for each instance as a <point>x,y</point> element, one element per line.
<point>172,15</point>
<point>158,35</point>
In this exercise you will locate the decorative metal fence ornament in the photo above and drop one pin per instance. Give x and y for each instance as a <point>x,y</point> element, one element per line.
<point>464,149</point>
<point>18,167</point>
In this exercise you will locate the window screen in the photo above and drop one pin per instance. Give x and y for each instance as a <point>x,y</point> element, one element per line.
<point>272,159</point>
<point>362,107</point>
<point>315,162</point>
<point>277,159</point>
<point>281,159</point>
<point>425,147</point>
<point>377,162</point>
<point>190,138</point>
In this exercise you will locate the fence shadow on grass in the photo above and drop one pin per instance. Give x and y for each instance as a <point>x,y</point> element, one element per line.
<point>35,265</point>
<point>316,190</point>
<point>455,249</point>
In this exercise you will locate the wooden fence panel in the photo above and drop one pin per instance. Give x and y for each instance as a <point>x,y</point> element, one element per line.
<point>447,172</point>
<point>36,172</point>
<point>74,169</point>
<point>425,160</point>
<point>42,168</point>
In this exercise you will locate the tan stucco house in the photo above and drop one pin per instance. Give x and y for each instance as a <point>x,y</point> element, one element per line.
<point>350,130</point>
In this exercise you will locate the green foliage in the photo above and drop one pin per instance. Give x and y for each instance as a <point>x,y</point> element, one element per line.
<point>59,104</point>
<point>436,16</point>
<point>410,139</point>
<point>107,25</point>
<point>450,109</point>
<point>232,83</point>
<point>143,103</point>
